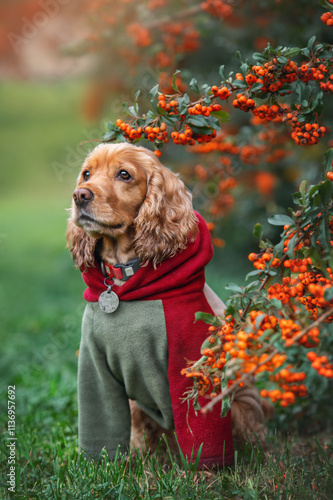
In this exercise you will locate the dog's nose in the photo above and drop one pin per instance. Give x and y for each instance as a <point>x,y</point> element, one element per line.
<point>82,196</point>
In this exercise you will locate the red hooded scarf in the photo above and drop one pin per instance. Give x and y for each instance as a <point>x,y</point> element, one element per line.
<point>178,281</point>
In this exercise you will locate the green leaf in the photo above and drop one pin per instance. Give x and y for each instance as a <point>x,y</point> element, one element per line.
<point>311,43</point>
<point>226,405</point>
<point>302,190</point>
<point>202,130</point>
<point>282,60</point>
<point>221,72</point>
<point>244,69</point>
<point>234,288</point>
<point>256,86</point>
<point>222,116</point>
<point>213,122</point>
<point>316,255</point>
<point>253,273</point>
<point>287,87</point>
<point>251,286</point>
<point>154,91</point>
<point>297,199</point>
<point>207,318</point>
<point>326,192</point>
<point>208,345</point>
<point>306,53</point>
<point>328,294</point>
<point>230,310</point>
<point>170,120</point>
<point>194,85</point>
<point>259,320</point>
<point>258,231</point>
<point>324,235</point>
<point>108,136</point>
<point>257,56</point>
<point>276,303</point>
<point>313,191</point>
<point>280,220</point>
<point>278,249</point>
<point>205,89</point>
<point>292,52</point>
<point>238,55</point>
<point>199,121</point>
<point>327,160</point>
<point>132,111</point>
<point>325,4</point>
<point>239,84</point>
<point>174,81</point>
<point>291,246</point>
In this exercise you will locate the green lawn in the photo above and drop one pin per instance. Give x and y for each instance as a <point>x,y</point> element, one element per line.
<point>40,313</point>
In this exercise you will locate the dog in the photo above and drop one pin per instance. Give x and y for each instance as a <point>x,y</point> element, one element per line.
<point>142,250</point>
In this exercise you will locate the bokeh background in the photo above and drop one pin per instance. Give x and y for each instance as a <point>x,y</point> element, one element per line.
<point>66,68</point>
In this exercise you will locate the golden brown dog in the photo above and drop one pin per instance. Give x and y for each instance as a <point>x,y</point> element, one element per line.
<point>128,205</point>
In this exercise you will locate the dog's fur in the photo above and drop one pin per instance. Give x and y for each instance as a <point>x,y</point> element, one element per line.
<point>126,205</point>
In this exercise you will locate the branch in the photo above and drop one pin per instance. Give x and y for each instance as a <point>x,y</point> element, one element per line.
<point>175,16</point>
<point>246,376</point>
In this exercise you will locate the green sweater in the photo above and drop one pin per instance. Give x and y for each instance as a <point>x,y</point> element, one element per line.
<point>122,355</point>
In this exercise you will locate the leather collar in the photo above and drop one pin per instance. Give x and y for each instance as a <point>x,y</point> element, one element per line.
<point>121,271</point>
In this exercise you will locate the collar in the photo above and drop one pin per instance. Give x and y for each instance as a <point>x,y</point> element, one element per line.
<point>121,271</point>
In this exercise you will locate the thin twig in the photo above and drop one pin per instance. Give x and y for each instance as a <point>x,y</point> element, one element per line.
<point>193,11</point>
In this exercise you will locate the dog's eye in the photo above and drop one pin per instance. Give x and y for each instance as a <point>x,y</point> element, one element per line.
<point>86,175</point>
<point>124,175</point>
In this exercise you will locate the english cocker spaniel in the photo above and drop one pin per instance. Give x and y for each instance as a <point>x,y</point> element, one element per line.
<point>142,250</point>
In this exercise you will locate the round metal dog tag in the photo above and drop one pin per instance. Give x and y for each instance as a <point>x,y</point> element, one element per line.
<point>108,301</point>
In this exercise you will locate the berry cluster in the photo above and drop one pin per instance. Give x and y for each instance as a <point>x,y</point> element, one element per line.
<point>270,113</point>
<point>249,154</point>
<point>199,109</point>
<point>291,387</point>
<point>217,8</point>
<point>150,133</point>
<point>327,86</point>
<point>222,92</point>
<point>184,138</point>
<point>321,364</point>
<point>261,261</point>
<point>246,345</point>
<point>306,133</point>
<point>243,103</point>
<point>316,286</point>
<point>140,35</point>
<point>273,75</point>
<point>327,18</point>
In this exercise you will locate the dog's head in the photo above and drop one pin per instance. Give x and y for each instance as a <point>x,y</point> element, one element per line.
<point>124,188</point>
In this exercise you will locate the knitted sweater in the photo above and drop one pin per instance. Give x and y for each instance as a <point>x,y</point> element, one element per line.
<point>138,352</point>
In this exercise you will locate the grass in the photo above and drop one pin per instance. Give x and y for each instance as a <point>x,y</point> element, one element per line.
<point>41,307</point>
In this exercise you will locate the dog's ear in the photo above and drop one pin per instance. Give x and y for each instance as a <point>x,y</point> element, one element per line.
<point>166,220</point>
<point>81,245</point>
